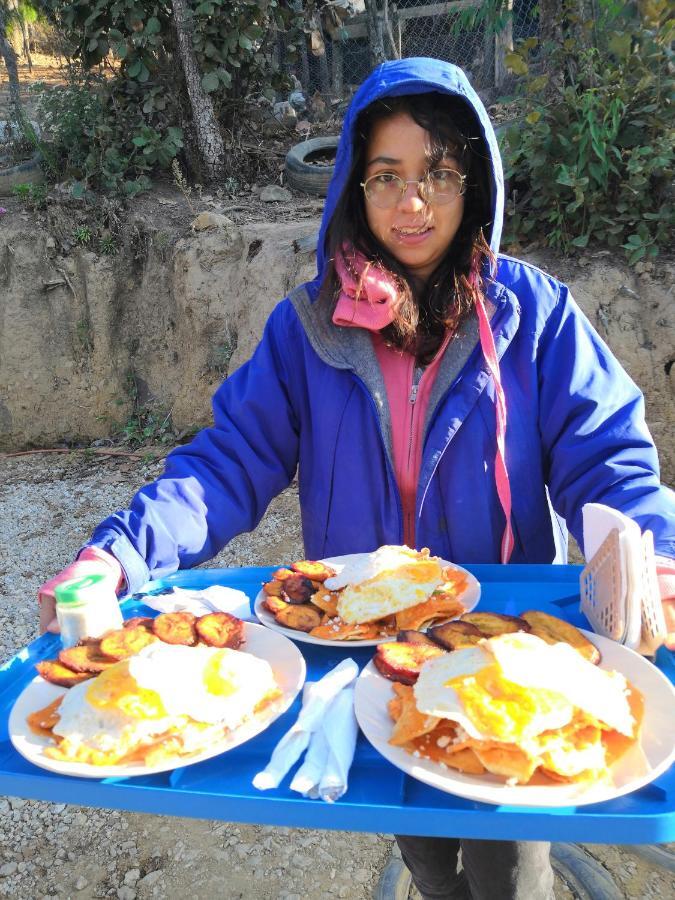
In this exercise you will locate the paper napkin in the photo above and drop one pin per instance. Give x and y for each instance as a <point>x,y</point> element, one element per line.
<point>317,699</point>
<point>215,598</point>
<point>325,769</point>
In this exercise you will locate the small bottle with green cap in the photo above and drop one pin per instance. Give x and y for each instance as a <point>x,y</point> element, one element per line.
<point>86,607</point>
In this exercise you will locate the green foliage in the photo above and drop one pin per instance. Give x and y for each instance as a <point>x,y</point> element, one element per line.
<point>99,136</point>
<point>594,159</point>
<point>33,196</point>
<point>114,132</point>
<point>83,235</point>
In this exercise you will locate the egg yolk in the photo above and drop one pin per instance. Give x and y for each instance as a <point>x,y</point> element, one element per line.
<point>115,688</point>
<point>213,679</point>
<point>501,708</point>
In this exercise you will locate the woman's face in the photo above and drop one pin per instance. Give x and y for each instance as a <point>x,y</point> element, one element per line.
<point>416,233</point>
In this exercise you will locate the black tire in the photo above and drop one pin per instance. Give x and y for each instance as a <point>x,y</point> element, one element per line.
<point>28,172</point>
<point>304,175</point>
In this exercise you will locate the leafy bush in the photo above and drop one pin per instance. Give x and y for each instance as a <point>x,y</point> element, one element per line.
<point>594,158</point>
<point>97,133</point>
<point>114,128</point>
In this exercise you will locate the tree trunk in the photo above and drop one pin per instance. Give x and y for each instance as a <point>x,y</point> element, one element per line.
<point>9,56</point>
<point>25,34</point>
<point>375,36</point>
<point>209,139</point>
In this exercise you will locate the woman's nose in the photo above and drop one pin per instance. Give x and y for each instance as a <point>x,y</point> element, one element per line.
<point>411,200</point>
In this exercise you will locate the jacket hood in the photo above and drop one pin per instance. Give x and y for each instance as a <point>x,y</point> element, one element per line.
<point>414,75</point>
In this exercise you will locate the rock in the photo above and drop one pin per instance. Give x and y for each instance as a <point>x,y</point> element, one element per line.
<point>272,192</point>
<point>132,876</point>
<point>151,878</point>
<point>8,869</point>
<point>362,876</point>
<point>126,893</point>
<point>81,883</point>
<point>207,220</point>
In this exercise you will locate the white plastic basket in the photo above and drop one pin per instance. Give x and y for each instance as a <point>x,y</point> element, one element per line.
<point>620,594</point>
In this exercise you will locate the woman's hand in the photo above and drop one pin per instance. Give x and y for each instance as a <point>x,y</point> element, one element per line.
<point>91,561</point>
<point>665,572</point>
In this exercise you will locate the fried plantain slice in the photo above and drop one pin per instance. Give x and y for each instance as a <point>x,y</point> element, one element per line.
<point>553,630</point>
<point>220,629</point>
<point>86,658</point>
<point>56,673</point>
<point>176,628</point>
<point>139,622</point>
<point>273,588</point>
<point>126,642</point>
<point>300,618</point>
<point>492,624</point>
<point>298,589</point>
<point>456,635</point>
<point>275,604</point>
<point>282,574</point>
<point>410,636</point>
<point>402,662</point>
<point>315,571</point>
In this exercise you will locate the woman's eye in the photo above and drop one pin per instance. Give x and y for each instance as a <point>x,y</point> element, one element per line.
<point>385,178</point>
<point>443,176</point>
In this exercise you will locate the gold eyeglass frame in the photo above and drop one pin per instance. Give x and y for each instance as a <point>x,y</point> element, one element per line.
<point>420,182</point>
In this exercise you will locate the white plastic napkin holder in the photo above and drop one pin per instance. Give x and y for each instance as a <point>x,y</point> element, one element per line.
<point>620,593</point>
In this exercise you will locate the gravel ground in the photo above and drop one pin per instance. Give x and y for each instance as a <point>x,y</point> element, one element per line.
<point>49,504</point>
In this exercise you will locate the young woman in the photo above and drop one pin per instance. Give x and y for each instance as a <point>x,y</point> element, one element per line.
<point>426,389</point>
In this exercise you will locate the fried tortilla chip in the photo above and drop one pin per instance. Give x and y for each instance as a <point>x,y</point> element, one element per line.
<point>326,600</point>
<point>506,760</point>
<point>273,588</point>
<point>220,629</point>
<point>411,723</point>
<point>439,606</point>
<point>86,658</point>
<point>176,628</point>
<point>439,746</point>
<point>56,673</point>
<point>274,604</point>
<point>334,630</point>
<point>553,631</point>
<point>126,642</point>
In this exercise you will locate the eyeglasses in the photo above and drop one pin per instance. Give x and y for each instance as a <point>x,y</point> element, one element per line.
<point>386,190</point>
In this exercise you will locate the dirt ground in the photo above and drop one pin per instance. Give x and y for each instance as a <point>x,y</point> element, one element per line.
<point>49,503</point>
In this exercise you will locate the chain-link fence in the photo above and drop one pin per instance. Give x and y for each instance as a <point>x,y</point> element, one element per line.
<point>347,37</point>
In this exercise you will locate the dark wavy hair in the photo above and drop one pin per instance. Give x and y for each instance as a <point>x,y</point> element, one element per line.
<point>425,309</point>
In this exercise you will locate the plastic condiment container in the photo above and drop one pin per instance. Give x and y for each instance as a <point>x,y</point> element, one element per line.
<point>86,607</point>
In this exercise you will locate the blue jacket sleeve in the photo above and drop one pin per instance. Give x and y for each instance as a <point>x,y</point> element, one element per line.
<point>220,484</point>
<point>597,445</point>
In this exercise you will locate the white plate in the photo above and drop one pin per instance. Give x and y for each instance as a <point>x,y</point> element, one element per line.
<point>283,656</point>
<point>635,769</point>
<point>469,598</point>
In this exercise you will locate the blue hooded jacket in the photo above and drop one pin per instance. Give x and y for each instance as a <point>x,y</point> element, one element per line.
<point>312,400</point>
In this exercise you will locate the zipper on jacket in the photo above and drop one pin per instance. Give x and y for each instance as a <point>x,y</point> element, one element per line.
<point>390,467</point>
<point>409,512</point>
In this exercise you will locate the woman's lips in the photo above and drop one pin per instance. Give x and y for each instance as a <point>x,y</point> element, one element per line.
<point>412,238</point>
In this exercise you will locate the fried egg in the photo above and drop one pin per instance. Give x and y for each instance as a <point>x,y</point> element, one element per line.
<point>164,689</point>
<point>384,582</point>
<point>513,687</point>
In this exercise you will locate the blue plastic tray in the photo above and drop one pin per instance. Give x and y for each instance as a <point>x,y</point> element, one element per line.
<point>380,797</point>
